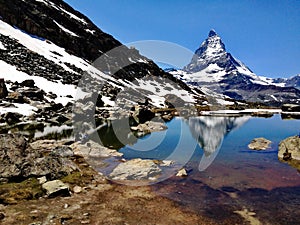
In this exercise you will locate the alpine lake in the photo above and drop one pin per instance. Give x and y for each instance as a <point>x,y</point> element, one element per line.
<point>226,180</point>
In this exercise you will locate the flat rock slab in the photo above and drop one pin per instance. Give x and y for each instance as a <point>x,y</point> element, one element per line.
<point>136,169</point>
<point>93,149</point>
<point>259,144</point>
<point>56,188</point>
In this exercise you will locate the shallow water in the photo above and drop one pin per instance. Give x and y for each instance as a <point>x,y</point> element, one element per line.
<point>230,177</point>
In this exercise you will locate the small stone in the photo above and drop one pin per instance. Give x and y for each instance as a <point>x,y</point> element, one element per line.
<point>66,206</point>
<point>42,180</point>
<point>167,163</point>
<point>77,189</point>
<point>182,173</point>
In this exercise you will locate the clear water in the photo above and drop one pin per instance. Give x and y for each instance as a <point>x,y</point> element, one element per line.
<point>231,177</point>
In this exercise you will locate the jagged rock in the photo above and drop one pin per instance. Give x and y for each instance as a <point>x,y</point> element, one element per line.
<point>56,188</point>
<point>18,160</point>
<point>3,89</point>
<point>182,173</point>
<point>259,144</point>
<point>136,169</point>
<point>289,150</point>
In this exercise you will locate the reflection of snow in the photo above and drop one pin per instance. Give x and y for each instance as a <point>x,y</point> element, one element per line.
<point>209,131</point>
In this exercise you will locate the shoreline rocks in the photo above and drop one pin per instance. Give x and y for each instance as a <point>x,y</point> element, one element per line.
<point>19,160</point>
<point>289,151</point>
<point>259,144</point>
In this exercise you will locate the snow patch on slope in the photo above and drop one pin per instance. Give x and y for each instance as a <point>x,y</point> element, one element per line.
<point>65,29</point>
<point>9,72</point>
<point>43,47</point>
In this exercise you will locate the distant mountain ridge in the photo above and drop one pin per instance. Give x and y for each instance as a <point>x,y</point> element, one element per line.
<point>216,69</point>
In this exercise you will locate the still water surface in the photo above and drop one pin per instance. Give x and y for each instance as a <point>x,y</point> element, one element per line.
<point>230,177</point>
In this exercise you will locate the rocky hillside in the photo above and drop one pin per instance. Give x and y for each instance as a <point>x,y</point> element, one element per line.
<point>213,67</point>
<point>49,59</point>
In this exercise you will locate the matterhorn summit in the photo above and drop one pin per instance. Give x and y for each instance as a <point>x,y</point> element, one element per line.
<point>213,68</point>
<point>212,53</point>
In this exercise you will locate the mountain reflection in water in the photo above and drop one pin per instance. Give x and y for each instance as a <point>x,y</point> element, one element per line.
<point>183,137</point>
<point>210,132</point>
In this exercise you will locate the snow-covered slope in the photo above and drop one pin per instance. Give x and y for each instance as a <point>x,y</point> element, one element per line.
<point>41,70</point>
<point>216,69</point>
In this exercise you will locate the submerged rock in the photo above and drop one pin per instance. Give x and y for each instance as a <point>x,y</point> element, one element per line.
<point>136,169</point>
<point>289,150</point>
<point>259,144</point>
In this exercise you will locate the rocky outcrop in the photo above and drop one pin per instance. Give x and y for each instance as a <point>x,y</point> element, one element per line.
<point>136,169</point>
<point>3,89</point>
<point>259,144</point>
<point>289,151</point>
<point>18,160</point>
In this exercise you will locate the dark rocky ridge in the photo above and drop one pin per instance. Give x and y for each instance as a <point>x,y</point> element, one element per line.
<point>37,18</point>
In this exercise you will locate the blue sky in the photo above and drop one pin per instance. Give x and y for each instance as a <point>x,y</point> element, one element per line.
<point>264,34</point>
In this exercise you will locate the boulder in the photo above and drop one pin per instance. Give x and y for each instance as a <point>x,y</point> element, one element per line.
<point>28,83</point>
<point>289,149</point>
<point>16,97</point>
<point>18,160</point>
<point>136,169</point>
<point>3,89</point>
<point>56,188</point>
<point>182,173</point>
<point>259,144</point>
<point>11,118</point>
<point>35,94</point>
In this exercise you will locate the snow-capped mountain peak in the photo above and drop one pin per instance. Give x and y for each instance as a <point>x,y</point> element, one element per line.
<point>214,68</point>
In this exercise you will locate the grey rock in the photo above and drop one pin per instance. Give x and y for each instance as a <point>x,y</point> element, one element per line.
<point>259,144</point>
<point>136,169</point>
<point>289,149</point>
<point>56,188</point>
<point>20,160</point>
